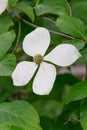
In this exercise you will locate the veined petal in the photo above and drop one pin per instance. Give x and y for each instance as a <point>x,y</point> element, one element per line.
<point>44,79</point>
<point>36,42</point>
<point>23,73</point>
<point>3,5</point>
<point>63,55</point>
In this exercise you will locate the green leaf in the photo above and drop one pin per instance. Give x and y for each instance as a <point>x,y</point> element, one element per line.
<point>12,3</point>
<point>80,5</point>
<point>57,7</point>
<point>5,23</point>
<point>28,10</point>
<point>7,65</point>
<point>77,43</point>
<point>83,115</point>
<point>48,124</point>
<point>18,114</point>
<point>72,26</point>
<point>77,92</point>
<point>6,40</point>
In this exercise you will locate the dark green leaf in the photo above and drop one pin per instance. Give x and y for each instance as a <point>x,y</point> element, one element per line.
<point>7,90</point>
<point>28,10</point>
<point>51,109</point>
<point>59,86</point>
<point>80,5</point>
<point>58,7</point>
<point>48,124</point>
<point>83,115</point>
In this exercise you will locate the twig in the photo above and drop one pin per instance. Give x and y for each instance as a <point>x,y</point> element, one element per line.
<point>18,38</point>
<point>51,31</point>
<point>70,11</point>
<point>62,34</point>
<point>27,22</point>
<point>75,119</point>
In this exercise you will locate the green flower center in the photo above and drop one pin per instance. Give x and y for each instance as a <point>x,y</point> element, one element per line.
<point>38,59</point>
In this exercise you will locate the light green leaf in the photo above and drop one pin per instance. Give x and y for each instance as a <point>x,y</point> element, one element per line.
<point>77,43</point>
<point>77,92</point>
<point>72,26</point>
<point>5,23</point>
<point>18,114</point>
<point>28,10</point>
<point>6,40</point>
<point>7,65</point>
<point>57,7</point>
<point>83,115</point>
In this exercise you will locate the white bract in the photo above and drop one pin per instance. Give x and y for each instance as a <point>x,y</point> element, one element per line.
<point>3,5</point>
<point>35,44</point>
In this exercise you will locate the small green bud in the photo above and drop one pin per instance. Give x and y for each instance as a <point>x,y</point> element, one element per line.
<point>38,59</point>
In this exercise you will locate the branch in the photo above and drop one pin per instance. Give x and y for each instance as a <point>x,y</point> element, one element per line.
<point>70,11</point>
<point>51,31</point>
<point>18,38</point>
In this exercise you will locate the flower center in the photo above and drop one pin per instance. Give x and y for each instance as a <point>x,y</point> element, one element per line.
<point>38,58</point>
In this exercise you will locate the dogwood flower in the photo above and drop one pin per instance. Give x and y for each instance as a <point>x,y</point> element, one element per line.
<point>35,44</point>
<point>3,5</point>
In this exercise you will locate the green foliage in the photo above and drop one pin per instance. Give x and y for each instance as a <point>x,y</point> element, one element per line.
<point>65,108</point>
<point>78,91</point>
<point>51,109</point>
<point>81,6</point>
<point>28,10</point>
<point>12,3</point>
<point>57,7</point>
<point>72,26</point>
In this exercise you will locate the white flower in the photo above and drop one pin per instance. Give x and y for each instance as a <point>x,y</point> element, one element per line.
<point>35,44</point>
<point>3,5</point>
